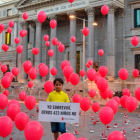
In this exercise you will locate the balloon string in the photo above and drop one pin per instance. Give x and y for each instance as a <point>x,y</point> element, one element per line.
<point>18,135</point>
<point>103,29</point>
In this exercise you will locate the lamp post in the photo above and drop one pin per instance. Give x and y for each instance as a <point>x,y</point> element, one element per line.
<point>84,42</point>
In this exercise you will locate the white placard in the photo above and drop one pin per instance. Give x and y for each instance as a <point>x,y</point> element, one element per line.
<point>58,112</point>
<point>63,7</point>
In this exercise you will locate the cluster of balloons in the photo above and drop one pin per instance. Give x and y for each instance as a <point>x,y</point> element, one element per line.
<point>89,63</point>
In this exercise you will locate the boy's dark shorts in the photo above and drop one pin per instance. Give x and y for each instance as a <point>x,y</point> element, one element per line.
<point>58,127</point>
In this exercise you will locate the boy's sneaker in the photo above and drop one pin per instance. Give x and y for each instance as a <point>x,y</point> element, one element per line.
<point>126,123</point>
<point>101,135</point>
<point>134,130</point>
<point>98,121</point>
<point>91,119</point>
<point>91,116</point>
<point>115,125</point>
<point>91,130</point>
<point>125,116</point>
<point>104,137</point>
<point>32,115</point>
<point>76,125</point>
<point>75,132</point>
<point>139,128</point>
<point>108,127</point>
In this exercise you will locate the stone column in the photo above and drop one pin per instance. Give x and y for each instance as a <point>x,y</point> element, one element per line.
<point>25,50</point>
<point>52,60</point>
<point>111,43</point>
<point>38,44</point>
<point>90,40</point>
<point>72,46</point>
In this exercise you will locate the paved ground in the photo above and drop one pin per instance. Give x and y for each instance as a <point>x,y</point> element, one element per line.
<point>85,131</point>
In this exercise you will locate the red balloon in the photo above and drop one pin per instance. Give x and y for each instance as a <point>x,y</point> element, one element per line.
<point>11,24</point>
<point>137,93</point>
<point>53,23</point>
<point>22,95</point>
<point>15,71</point>
<point>3,47</point>
<point>61,48</point>
<point>101,52</point>
<point>50,52</point>
<point>46,37</point>
<point>102,84</point>
<point>113,104</point>
<point>30,84</point>
<point>47,43</point>
<point>43,70</point>
<point>71,1</point>
<point>40,65</point>
<point>59,43</point>
<point>105,94</point>
<point>6,92</point>
<point>54,41</point>
<point>6,126</point>
<point>74,79</point>
<point>6,48</point>
<point>92,93</point>
<point>23,33</point>
<point>85,103</point>
<point>82,73</point>
<point>73,39</point>
<point>135,40</point>
<point>19,49</point>
<point>2,27</point>
<point>35,51</point>
<point>103,70</point>
<point>32,74</point>
<point>91,74</point>
<point>85,31</point>
<point>67,136</point>
<point>53,71</point>
<point>95,107</point>
<point>41,16</point>
<point>12,111</point>
<point>17,40</point>
<point>21,120</point>
<point>67,80</point>
<point>116,135</point>
<point>4,68</point>
<point>9,30</point>
<point>3,101</point>
<point>9,74</point>
<point>123,101</point>
<point>48,86</point>
<point>87,65</point>
<point>131,104</point>
<point>76,98</point>
<point>96,79</point>
<point>90,62</point>
<point>106,115</point>
<point>110,94</point>
<point>126,91</point>
<point>27,65</point>
<point>105,10</point>
<point>6,82</point>
<point>116,98</point>
<point>33,131</point>
<point>30,102</point>
<point>64,64</point>
<point>123,74</point>
<point>14,102</point>
<point>135,73</point>
<point>25,16</point>
<point>67,71</point>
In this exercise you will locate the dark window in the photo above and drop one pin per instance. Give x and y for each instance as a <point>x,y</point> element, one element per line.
<point>137,61</point>
<point>7,38</point>
<point>68,56</point>
<point>9,12</point>
<point>28,35</point>
<point>137,18</point>
<point>77,62</point>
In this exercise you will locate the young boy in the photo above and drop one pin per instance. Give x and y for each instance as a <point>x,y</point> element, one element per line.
<point>58,96</point>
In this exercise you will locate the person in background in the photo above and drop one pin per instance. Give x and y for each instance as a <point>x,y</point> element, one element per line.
<point>58,96</point>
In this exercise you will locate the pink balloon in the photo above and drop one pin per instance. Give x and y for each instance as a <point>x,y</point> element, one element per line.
<point>113,104</point>
<point>59,43</point>
<point>106,115</point>
<point>54,41</point>
<point>90,62</point>
<point>64,64</point>
<point>22,95</point>
<point>35,51</point>
<point>74,79</point>
<point>30,84</point>
<point>6,48</point>
<point>19,49</point>
<point>9,30</point>
<point>137,93</point>
<point>6,126</point>
<point>87,65</point>
<point>71,1</point>
<point>101,52</point>
<point>12,111</point>
<point>105,10</point>
<point>15,71</point>
<point>82,73</point>
<point>116,135</point>
<point>21,120</point>
<point>126,91</point>
<point>76,98</point>
<point>14,102</point>
<point>47,43</point>
<point>17,40</point>
<point>135,73</point>
<point>23,33</point>
<point>4,68</point>
<point>123,74</point>
<point>96,79</point>
<point>67,136</point>
<point>3,101</point>
<point>67,71</point>
<point>6,92</point>
<point>61,48</point>
<point>135,41</point>
<point>85,31</point>
<point>53,23</point>
<point>91,74</point>
<point>27,65</point>
<point>50,53</point>
<point>40,65</point>
<point>2,27</point>
<point>102,84</point>
<point>110,94</point>
<point>43,70</point>
<point>32,74</point>
<point>9,74</point>
<point>6,82</point>
<point>48,86</point>
<point>25,16</point>
<point>11,24</point>
<point>53,71</point>
<point>85,103</point>
<point>105,94</point>
<point>123,101</point>
<point>73,39</point>
<point>30,102</point>
<point>92,93</point>
<point>95,107</point>
<point>103,70</point>
<point>41,16</point>
<point>33,130</point>
<point>46,37</point>
<point>116,98</point>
